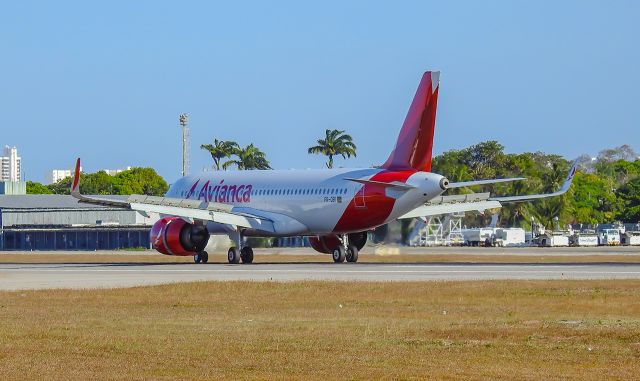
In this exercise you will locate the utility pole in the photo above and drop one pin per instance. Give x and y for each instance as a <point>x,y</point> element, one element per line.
<point>184,121</point>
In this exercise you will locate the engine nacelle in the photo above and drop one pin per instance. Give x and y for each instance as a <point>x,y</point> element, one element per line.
<point>175,236</point>
<point>327,243</point>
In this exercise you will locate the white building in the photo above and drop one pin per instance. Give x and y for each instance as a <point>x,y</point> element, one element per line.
<point>56,175</point>
<point>10,165</point>
<point>113,172</point>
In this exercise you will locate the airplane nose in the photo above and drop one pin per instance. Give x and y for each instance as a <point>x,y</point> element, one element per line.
<point>444,183</point>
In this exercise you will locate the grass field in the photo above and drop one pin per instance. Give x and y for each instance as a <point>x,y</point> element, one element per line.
<point>311,257</point>
<point>325,330</point>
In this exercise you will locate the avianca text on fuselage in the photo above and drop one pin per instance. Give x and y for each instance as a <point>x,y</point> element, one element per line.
<point>221,192</point>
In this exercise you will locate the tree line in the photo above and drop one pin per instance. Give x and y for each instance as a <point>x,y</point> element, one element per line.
<point>605,189</point>
<point>133,181</point>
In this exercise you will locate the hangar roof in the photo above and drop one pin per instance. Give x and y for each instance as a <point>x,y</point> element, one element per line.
<point>47,201</point>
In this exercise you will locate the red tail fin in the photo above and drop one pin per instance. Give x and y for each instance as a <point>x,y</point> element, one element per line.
<point>415,142</point>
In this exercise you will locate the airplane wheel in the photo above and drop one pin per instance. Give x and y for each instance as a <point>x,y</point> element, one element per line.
<point>233,255</point>
<point>246,254</point>
<point>197,258</point>
<point>338,254</point>
<point>204,256</point>
<point>352,254</point>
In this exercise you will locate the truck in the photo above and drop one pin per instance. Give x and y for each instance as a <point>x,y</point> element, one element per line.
<point>609,237</point>
<point>479,236</point>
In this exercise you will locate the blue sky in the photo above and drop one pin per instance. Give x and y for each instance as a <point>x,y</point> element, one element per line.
<point>106,81</point>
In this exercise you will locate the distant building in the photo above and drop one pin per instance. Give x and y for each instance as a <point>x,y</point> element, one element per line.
<point>10,165</point>
<point>56,175</point>
<point>113,172</point>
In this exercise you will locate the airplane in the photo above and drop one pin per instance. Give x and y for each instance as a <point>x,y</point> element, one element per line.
<point>335,208</point>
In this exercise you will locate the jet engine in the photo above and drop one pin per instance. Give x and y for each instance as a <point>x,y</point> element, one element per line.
<point>327,243</point>
<point>175,236</point>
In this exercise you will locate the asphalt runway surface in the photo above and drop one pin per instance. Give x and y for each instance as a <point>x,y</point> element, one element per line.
<point>110,275</point>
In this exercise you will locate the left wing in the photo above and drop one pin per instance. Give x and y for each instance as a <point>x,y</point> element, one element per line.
<point>189,210</point>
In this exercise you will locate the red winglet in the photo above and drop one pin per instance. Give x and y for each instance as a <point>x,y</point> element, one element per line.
<point>414,147</point>
<point>76,178</point>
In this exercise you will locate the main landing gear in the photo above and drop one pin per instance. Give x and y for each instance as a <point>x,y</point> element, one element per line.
<point>201,257</point>
<point>244,254</point>
<point>345,251</point>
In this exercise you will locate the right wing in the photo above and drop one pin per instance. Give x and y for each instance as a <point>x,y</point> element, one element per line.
<point>190,210</point>
<point>483,182</point>
<point>453,204</point>
<point>480,201</point>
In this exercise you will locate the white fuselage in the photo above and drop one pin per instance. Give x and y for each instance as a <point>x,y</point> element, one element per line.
<point>310,202</point>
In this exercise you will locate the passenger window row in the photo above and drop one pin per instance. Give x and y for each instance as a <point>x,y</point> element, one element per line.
<point>297,192</point>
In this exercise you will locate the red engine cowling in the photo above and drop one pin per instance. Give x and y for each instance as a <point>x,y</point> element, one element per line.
<point>175,236</point>
<point>327,243</point>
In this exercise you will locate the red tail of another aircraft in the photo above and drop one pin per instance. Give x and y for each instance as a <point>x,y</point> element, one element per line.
<point>414,147</point>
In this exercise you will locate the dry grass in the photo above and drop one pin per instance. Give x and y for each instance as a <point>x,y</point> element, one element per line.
<point>325,330</point>
<point>314,257</point>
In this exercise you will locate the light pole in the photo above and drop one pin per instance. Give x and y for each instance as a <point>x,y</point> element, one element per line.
<point>184,121</point>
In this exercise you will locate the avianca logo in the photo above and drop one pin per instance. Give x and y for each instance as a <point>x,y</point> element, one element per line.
<point>221,192</point>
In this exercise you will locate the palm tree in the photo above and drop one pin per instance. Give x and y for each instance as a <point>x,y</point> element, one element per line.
<point>219,150</point>
<point>553,177</point>
<point>249,157</point>
<point>516,214</point>
<point>335,143</point>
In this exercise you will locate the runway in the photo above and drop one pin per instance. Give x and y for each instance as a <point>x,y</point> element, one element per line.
<point>78,276</point>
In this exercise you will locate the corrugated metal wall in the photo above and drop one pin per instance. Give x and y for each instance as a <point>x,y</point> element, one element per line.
<point>66,217</point>
<point>94,238</point>
<point>11,217</point>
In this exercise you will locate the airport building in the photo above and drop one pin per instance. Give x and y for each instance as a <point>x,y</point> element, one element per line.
<point>59,222</point>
